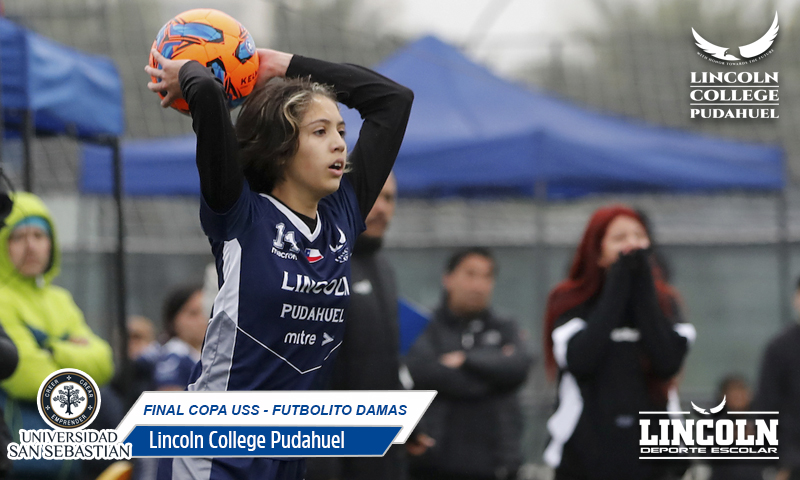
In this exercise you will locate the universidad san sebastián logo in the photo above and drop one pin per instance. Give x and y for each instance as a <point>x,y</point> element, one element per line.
<point>714,433</point>
<point>735,94</point>
<point>68,402</point>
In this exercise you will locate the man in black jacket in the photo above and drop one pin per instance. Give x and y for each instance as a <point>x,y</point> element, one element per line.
<point>369,356</point>
<point>779,390</point>
<point>477,362</point>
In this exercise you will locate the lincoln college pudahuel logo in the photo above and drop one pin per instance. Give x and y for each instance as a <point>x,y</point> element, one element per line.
<point>748,53</point>
<point>724,95</point>
<point>69,399</point>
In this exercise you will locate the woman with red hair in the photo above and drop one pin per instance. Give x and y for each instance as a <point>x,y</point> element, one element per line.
<point>614,339</point>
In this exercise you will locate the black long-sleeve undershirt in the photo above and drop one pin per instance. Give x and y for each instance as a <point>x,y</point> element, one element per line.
<point>383,104</point>
<point>217,154</point>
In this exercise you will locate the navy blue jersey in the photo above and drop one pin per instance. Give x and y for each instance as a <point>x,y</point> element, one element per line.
<point>175,363</point>
<point>283,291</point>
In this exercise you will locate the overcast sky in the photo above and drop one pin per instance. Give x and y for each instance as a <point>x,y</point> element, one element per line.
<point>502,34</point>
<point>519,30</point>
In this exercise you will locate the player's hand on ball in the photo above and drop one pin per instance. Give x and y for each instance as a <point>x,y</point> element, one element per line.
<point>271,64</point>
<point>168,75</point>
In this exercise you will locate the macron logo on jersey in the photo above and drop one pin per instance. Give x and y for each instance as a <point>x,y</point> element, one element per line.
<point>313,255</point>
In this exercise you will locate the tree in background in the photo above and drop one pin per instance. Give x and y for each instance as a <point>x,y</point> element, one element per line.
<point>639,63</point>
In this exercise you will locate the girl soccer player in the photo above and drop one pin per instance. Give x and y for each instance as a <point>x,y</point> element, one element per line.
<point>614,335</point>
<point>282,205</point>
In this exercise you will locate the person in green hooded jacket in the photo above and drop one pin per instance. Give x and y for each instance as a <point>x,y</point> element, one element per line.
<point>42,319</point>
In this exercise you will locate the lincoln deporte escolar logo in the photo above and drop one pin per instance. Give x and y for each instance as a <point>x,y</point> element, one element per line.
<point>749,51</point>
<point>715,435</point>
<point>711,411</point>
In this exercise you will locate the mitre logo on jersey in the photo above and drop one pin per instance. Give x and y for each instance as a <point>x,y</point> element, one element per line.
<point>715,434</point>
<point>749,53</point>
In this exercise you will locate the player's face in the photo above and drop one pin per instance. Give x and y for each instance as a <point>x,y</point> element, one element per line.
<point>321,156</point>
<point>623,235</point>
<point>469,286</point>
<point>29,248</point>
<point>383,210</point>
<point>191,321</point>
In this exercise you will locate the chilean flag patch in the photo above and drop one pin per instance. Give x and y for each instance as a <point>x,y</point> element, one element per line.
<point>313,255</point>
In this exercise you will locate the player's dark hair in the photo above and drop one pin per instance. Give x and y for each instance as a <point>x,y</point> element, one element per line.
<point>175,301</point>
<point>268,128</point>
<point>456,258</point>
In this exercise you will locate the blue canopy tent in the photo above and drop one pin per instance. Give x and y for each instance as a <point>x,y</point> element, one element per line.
<point>474,134</point>
<point>164,166</point>
<point>49,89</point>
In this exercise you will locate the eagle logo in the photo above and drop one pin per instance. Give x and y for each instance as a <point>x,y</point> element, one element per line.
<point>711,411</point>
<point>747,51</point>
<point>341,243</point>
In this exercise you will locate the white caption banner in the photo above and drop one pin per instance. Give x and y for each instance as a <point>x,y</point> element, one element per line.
<point>281,408</point>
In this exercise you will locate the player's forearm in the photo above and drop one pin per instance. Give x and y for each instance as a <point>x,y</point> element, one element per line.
<point>498,368</point>
<point>221,177</point>
<point>94,358</point>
